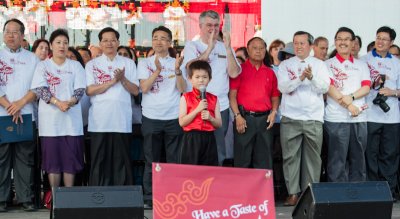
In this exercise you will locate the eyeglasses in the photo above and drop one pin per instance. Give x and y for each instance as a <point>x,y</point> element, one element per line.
<point>163,39</point>
<point>382,39</point>
<point>14,33</point>
<point>343,40</point>
<point>109,41</point>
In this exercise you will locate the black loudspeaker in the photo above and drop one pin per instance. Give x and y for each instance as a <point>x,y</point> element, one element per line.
<point>345,201</point>
<point>95,202</point>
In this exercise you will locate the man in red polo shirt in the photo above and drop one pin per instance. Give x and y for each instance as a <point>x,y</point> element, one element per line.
<point>254,99</point>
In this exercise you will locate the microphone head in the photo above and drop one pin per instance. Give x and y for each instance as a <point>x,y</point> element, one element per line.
<point>202,88</point>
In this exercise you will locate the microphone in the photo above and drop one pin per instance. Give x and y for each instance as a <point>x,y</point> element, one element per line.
<point>202,90</point>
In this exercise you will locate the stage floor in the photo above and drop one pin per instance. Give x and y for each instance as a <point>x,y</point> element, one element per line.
<point>281,213</point>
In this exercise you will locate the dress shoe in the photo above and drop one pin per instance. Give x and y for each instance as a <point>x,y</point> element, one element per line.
<point>28,206</point>
<point>291,200</point>
<point>3,206</point>
<point>148,205</point>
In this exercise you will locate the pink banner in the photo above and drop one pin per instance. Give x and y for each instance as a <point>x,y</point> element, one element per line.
<point>204,192</point>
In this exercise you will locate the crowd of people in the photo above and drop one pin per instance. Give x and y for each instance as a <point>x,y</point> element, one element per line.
<point>277,95</point>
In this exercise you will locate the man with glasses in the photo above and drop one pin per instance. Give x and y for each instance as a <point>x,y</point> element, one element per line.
<point>223,63</point>
<point>302,80</point>
<point>345,122</point>
<point>162,83</point>
<point>16,72</point>
<point>382,153</point>
<point>111,79</point>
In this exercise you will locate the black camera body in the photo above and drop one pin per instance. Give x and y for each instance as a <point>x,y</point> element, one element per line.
<point>380,99</point>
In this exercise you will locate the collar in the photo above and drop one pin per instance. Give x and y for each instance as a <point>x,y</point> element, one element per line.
<point>196,93</point>
<point>341,59</point>
<point>153,57</point>
<point>108,58</point>
<point>376,55</point>
<point>247,62</point>
<point>13,51</point>
<point>302,60</point>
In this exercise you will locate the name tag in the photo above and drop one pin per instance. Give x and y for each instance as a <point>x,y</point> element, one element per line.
<point>221,56</point>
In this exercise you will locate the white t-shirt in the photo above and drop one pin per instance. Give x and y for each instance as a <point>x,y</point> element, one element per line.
<point>303,100</point>
<point>347,77</point>
<point>110,111</point>
<point>161,102</point>
<point>16,72</point>
<point>391,68</point>
<point>61,80</point>
<point>219,84</point>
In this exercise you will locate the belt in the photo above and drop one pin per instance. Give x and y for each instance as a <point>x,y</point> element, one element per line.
<point>255,114</point>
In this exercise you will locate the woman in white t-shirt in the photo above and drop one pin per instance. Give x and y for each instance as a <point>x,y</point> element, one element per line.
<point>60,83</point>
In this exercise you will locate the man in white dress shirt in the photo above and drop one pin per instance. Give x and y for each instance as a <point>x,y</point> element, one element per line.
<point>302,80</point>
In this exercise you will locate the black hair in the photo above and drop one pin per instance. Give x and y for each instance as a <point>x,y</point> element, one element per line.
<point>164,29</point>
<point>58,32</point>
<point>310,38</point>
<point>199,65</point>
<point>107,30</point>
<point>22,26</point>
<point>371,46</point>
<point>77,54</point>
<point>347,30</point>
<point>127,49</point>
<point>359,40</point>
<point>244,49</point>
<point>84,48</point>
<point>388,30</point>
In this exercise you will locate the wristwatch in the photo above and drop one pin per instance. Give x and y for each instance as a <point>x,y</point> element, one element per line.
<point>178,72</point>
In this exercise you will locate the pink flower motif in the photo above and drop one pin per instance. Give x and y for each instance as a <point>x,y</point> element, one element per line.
<point>5,71</point>
<point>101,76</point>
<point>53,81</point>
<point>339,77</point>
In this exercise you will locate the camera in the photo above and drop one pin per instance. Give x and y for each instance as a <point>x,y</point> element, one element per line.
<point>380,99</point>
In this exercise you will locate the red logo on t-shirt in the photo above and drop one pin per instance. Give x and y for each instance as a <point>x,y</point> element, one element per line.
<point>156,85</point>
<point>291,74</point>
<point>339,77</point>
<point>53,81</point>
<point>373,73</point>
<point>101,76</point>
<point>5,71</point>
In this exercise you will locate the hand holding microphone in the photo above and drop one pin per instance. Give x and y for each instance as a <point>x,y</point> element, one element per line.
<point>205,115</point>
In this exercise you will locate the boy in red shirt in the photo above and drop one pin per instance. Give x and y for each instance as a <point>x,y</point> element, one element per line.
<point>199,116</point>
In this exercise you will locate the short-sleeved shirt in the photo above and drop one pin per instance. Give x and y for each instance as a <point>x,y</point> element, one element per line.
<point>219,84</point>
<point>16,73</point>
<point>347,76</point>
<point>192,101</point>
<point>255,87</point>
<point>390,67</point>
<point>110,111</point>
<point>61,80</point>
<point>161,102</point>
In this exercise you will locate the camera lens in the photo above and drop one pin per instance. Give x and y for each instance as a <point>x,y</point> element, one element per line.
<point>383,105</point>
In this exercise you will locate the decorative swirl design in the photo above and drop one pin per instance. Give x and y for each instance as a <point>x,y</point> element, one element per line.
<point>175,205</point>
